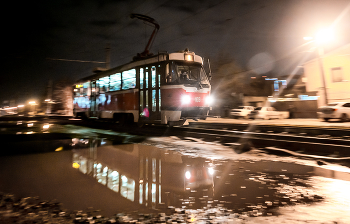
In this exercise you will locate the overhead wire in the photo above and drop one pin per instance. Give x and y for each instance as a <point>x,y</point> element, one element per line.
<point>204,28</point>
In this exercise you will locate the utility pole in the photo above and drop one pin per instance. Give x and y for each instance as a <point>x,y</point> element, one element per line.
<point>108,56</point>
<point>320,62</point>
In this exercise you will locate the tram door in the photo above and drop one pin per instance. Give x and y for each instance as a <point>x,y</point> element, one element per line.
<point>93,99</point>
<point>150,101</point>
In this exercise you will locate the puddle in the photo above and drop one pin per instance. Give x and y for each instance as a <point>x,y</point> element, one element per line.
<point>114,176</point>
<point>129,177</point>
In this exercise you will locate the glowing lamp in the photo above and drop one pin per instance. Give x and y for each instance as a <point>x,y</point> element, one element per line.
<point>209,100</point>
<point>189,57</point>
<point>324,36</point>
<point>188,175</point>
<point>46,126</point>
<point>185,99</point>
<point>210,170</point>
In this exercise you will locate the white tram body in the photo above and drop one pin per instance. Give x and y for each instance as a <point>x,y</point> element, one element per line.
<point>166,88</point>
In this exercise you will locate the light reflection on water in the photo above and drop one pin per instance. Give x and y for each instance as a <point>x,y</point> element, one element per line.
<point>158,178</point>
<point>144,174</point>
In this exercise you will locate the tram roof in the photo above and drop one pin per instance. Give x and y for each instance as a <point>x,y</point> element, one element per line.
<point>179,56</point>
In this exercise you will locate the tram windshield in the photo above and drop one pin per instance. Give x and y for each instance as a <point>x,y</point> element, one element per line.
<point>182,73</point>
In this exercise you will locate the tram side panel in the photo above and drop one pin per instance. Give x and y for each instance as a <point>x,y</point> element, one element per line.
<point>125,102</point>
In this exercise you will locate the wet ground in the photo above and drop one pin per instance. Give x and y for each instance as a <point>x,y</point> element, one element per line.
<point>182,180</point>
<point>312,122</point>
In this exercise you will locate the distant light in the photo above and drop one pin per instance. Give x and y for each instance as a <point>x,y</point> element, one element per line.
<point>59,149</point>
<point>46,126</point>
<point>47,100</point>
<point>20,106</point>
<point>76,165</point>
<point>307,97</point>
<point>211,170</point>
<point>253,77</point>
<point>30,125</point>
<point>188,175</point>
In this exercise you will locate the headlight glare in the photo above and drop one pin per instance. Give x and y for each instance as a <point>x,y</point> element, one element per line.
<point>209,100</point>
<point>185,99</point>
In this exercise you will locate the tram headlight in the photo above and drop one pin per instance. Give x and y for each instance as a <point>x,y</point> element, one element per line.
<point>185,99</point>
<point>209,100</point>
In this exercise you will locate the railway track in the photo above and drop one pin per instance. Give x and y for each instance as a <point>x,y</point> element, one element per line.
<point>244,139</point>
<point>309,140</point>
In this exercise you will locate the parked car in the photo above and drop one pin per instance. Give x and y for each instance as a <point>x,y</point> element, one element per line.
<point>268,113</point>
<point>338,110</point>
<point>241,112</point>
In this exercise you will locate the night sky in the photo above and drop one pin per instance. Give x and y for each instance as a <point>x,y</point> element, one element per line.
<point>253,33</point>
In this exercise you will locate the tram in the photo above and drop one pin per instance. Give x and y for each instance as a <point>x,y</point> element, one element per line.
<point>165,88</point>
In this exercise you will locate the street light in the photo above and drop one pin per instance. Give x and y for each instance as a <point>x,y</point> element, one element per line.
<point>322,36</point>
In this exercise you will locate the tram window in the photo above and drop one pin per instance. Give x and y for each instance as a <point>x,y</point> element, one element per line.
<point>188,73</point>
<point>141,99</point>
<point>153,76</point>
<point>129,79</point>
<point>86,89</point>
<point>141,77</point>
<point>113,181</point>
<point>127,188</point>
<point>146,77</point>
<point>77,92</point>
<point>115,82</point>
<point>103,84</point>
<point>181,73</point>
<point>154,100</point>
